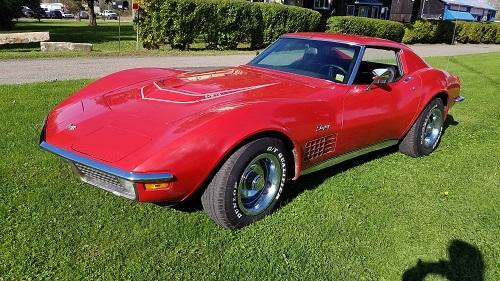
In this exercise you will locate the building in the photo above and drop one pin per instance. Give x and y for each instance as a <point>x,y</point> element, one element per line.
<point>401,10</point>
<point>466,10</point>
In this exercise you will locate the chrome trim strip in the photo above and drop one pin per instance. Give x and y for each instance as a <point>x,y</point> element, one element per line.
<point>355,69</point>
<point>320,39</point>
<point>130,176</point>
<point>349,155</point>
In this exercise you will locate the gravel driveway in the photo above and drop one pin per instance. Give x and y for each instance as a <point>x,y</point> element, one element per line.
<point>37,70</point>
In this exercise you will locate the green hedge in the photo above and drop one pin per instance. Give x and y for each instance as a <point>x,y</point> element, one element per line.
<point>386,29</point>
<point>278,19</point>
<point>420,31</point>
<point>222,23</point>
<point>430,31</point>
<point>477,32</point>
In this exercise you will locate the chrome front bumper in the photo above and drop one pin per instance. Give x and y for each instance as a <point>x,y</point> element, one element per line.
<point>115,180</point>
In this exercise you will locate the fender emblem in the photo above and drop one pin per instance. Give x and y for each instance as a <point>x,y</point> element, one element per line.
<point>71,127</point>
<point>322,127</point>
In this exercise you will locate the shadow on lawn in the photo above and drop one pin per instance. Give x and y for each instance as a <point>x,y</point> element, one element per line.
<point>307,182</point>
<point>465,263</point>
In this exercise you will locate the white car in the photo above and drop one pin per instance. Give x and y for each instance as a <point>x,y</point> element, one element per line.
<point>108,14</point>
<point>67,15</point>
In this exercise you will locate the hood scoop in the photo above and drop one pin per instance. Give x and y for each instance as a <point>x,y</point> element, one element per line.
<point>157,91</point>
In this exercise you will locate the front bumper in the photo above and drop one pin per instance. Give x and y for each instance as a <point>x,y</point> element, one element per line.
<point>115,180</point>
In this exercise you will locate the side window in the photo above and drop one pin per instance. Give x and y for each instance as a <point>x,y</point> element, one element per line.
<point>378,58</point>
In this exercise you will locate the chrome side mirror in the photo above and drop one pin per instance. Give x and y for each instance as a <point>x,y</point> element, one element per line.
<point>380,76</point>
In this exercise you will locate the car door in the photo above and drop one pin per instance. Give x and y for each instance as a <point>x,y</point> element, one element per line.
<point>380,112</point>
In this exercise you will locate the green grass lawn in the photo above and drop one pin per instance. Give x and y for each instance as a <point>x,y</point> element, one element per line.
<point>104,38</point>
<point>379,217</point>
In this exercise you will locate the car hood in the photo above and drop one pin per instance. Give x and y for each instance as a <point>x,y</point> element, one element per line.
<point>110,126</point>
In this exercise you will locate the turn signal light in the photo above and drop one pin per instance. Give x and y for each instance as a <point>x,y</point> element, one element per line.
<point>152,186</point>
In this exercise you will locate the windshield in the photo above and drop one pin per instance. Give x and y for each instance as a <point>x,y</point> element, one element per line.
<point>315,58</point>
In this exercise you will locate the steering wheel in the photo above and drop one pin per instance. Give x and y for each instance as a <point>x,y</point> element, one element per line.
<point>330,72</point>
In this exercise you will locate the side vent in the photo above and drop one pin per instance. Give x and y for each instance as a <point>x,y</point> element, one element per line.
<point>319,147</point>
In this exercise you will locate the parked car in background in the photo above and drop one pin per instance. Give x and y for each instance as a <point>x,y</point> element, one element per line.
<point>108,14</point>
<point>39,13</point>
<point>82,15</point>
<point>26,12</point>
<point>67,15</point>
<point>241,134</point>
<point>55,15</point>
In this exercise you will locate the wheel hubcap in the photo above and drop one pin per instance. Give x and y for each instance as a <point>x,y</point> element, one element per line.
<point>433,128</point>
<point>259,184</point>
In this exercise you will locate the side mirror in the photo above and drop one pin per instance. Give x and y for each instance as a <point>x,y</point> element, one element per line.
<point>380,76</point>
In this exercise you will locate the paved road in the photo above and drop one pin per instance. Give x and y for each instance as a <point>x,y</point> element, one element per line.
<point>35,70</point>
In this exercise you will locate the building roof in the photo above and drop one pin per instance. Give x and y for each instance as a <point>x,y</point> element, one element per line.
<point>483,4</point>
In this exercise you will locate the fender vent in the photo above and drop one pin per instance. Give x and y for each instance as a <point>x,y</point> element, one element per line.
<point>319,147</point>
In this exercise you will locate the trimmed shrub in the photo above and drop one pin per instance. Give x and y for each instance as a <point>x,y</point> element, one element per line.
<point>428,31</point>
<point>279,19</point>
<point>222,23</point>
<point>226,23</point>
<point>477,32</point>
<point>385,29</point>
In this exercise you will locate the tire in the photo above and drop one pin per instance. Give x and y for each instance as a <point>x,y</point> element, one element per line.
<point>426,132</point>
<point>247,187</point>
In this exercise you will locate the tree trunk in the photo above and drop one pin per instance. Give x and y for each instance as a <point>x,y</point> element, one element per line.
<point>92,17</point>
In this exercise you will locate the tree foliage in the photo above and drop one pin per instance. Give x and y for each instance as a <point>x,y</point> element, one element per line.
<point>11,9</point>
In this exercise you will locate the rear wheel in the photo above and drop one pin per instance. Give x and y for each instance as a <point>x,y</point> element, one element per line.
<point>426,132</point>
<point>248,185</point>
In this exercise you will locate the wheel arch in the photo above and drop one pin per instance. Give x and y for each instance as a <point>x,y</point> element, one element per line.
<point>291,148</point>
<point>440,94</point>
<point>290,145</point>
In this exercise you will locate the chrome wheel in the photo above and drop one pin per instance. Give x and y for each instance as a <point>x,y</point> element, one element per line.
<point>433,128</point>
<point>259,184</point>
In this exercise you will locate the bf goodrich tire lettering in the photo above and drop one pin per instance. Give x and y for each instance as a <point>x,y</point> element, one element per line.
<point>425,134</point>
<point>248,185</point>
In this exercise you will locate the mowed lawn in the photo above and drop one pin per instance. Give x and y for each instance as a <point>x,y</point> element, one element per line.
<point>105,39</point>
<point>384,216</point>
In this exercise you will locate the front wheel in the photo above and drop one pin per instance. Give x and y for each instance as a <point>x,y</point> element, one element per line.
<point>248,185</point>
<point>425,133</point>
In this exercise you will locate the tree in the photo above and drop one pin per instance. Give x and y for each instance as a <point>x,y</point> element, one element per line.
<point>72,5</point>
<point>92,17</point>
<point>10,9</point>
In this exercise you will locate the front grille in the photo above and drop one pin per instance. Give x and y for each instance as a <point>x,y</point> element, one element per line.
<point>105,181</point>
<point>319,147</point>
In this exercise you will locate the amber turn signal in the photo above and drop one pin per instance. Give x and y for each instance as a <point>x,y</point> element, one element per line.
<point>152,186</point>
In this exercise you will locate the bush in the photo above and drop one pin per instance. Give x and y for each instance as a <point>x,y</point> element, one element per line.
<point>428,31</point>
<point>226,23</point>
<point>222,23</point>
<point>385,29</point>
<point>477,32</point>
<point>278,19</point>
<point>11,9</point>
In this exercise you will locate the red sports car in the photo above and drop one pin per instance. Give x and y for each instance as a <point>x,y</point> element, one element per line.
<point>309,101</point>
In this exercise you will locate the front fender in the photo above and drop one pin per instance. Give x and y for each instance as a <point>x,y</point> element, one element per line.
<point>199,144</point>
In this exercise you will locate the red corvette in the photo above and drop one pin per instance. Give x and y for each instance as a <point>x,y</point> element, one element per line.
<point>307,102</point>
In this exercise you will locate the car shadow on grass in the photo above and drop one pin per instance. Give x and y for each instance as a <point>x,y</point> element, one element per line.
<point>465,263</point>
<point>306,182</point>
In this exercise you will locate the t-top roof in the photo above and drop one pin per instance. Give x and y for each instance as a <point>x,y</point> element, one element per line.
<point>347,38</point>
